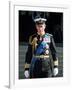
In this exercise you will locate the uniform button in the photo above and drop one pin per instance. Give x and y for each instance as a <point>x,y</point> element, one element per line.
<point>47,52</point>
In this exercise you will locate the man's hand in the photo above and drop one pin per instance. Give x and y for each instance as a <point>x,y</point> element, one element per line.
<point>55,72</point>
<point>26,73</point>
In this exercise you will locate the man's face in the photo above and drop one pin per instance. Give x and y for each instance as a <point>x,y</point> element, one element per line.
<point>40,28</point>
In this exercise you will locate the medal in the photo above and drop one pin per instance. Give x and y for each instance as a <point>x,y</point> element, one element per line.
<point>47,46</point>
<point>47,52</point>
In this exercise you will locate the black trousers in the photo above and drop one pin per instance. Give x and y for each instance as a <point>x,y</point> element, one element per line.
<point>42,69</point>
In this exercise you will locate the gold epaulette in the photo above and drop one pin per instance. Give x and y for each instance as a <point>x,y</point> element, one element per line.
<point>33,42</point>
<point>31,39</point>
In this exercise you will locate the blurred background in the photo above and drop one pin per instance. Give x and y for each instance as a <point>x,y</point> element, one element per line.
<point>54,26</point>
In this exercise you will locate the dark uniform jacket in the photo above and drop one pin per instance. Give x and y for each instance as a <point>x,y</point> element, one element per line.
<point>40,55</point>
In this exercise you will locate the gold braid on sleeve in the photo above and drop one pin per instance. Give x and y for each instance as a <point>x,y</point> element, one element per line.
<point>56,62</point>
<point>26,65</point>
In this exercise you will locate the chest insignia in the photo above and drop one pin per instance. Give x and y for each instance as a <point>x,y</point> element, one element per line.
<point>46,39</point>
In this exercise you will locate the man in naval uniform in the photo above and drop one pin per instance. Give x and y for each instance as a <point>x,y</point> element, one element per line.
<point>41,58</point>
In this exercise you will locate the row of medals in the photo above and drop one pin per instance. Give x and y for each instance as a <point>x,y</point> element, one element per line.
<point>46,47</point>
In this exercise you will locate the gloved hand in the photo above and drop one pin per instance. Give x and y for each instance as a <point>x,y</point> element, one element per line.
<point>26,73</point>
<point>55,71</point>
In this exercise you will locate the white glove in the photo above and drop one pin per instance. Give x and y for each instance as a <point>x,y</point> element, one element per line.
<point>26,73</point>
<point>55,72</point>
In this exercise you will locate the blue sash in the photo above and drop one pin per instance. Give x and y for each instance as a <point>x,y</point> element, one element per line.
<point>40,48</point>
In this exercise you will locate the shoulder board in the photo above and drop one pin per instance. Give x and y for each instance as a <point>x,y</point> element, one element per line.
<point>49,34</point>
<point>31,38</point>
